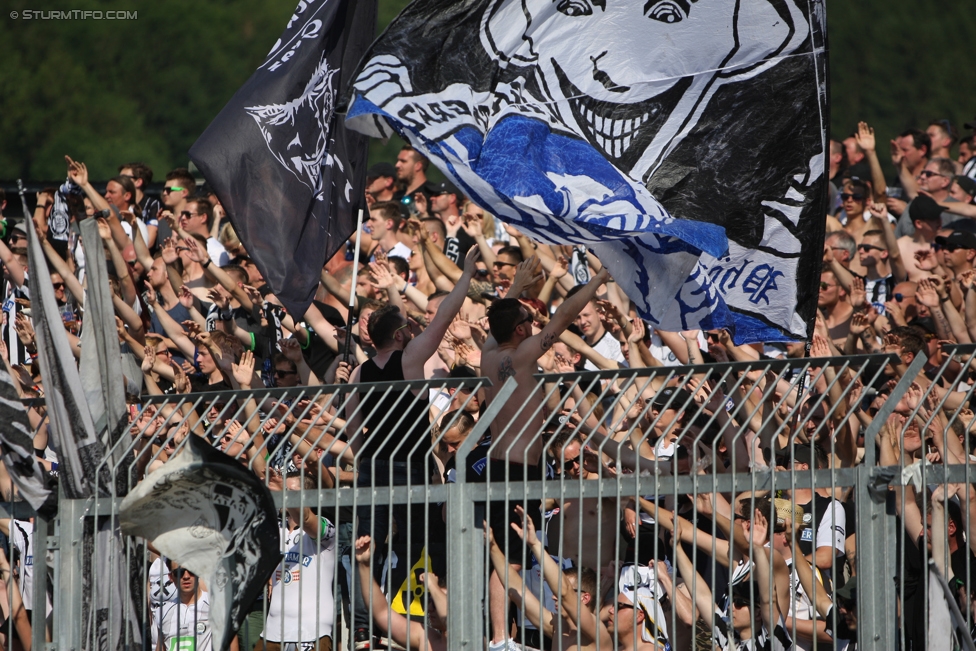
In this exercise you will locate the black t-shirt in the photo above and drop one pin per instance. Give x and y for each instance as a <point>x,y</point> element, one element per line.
<point>456,247</point>
<point>396,422</point>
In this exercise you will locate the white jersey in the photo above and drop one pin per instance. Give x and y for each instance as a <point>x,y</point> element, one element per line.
<point>302,606</point>
<point>184,627</point>
<point>22,536</point>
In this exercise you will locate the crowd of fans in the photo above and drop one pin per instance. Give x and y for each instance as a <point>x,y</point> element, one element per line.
<point>442,289</point>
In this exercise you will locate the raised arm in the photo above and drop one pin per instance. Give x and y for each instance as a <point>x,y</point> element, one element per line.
<point>564,316</point>
<point>420,349</point>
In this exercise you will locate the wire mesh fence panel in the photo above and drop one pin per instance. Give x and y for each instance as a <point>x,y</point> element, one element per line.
<point>794,503</point>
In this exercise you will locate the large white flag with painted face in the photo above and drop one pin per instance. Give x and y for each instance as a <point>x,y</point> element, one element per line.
<point>680,140</point>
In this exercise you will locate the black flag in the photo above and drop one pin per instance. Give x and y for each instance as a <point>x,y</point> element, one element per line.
<point>288,173</point>
<point>206,511</point>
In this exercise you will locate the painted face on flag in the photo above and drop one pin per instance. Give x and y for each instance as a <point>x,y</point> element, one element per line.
<point>618,70</point>
<point>602,53</point>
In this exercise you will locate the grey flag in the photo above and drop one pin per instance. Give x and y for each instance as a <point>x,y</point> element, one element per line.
<point>213,516</point>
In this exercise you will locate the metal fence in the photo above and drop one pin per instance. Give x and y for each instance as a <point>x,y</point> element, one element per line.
<point>654,493</point>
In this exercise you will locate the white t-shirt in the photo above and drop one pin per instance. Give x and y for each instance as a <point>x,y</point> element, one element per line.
<point>609,347</point>
<point>302,606</point>
<point>184,627</point>
<point>217,252</point>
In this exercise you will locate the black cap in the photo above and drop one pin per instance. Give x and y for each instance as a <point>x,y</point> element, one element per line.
<point>848,591</point>
<point>801,454</point>
<point>381,169</point>
<point>958,239</point>
<point>964,224</point>
<point>966,184</point>
<point>678,398</point>
<point>924,208</point>
<point>444,187</point>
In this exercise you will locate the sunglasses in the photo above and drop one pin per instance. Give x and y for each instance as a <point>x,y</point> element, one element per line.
<point>869,247</point>
<point>825,286</point>
<point>497,264</point>
<point>180,571</point>
<point>899,298</point>
<point>950,248</point>
<point>57,286</point>
<point>928,174</point>
<point>621,606</point>
<point>186,213</point>
<point>172,188</point>
<point>569,463</point>
<point>848,195</point>
<point>280,373</point>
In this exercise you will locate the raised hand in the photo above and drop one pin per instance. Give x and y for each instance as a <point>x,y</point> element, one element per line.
<point>420,200</point>
<point>181,382</point>
<point>186,297</point>
<point>527,273</point>
<point>527,531</point>
<point>879,210</point>
<point>25,331</point>
<point>637,332</point>
<point>473,225</point>
<point>925,259</point>
<point>857,295</point>
<point>149,358</point>
<point>244,371</point>
<point>192,328</point>
<point>77,172</point>
<point>381,276</point>
<point>864,136</point>
<point>195,250</point>
<point>291,349</point>
<point>364,549</point>
<point>926,293</point>
<point>966,279</point>
<point>859,323</point>
<point>819,347</point>
<point>104,231</point>
<point>218,298</point>
<point>168,251</point>
<point>149,294</point>
<point>471,260</point>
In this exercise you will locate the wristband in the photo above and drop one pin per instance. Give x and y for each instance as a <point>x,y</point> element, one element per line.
<point>946,298</point>
<point>207,263</point>
<point>226,315</point>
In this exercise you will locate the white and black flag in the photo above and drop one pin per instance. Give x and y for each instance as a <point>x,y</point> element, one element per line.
<point>286,170</point>
<point>682,141</point>
<point>33,482</point>
<point>213,516</point>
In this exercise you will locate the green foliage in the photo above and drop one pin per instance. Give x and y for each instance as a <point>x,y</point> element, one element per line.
<point>110,91</point>
<point>894,66</point>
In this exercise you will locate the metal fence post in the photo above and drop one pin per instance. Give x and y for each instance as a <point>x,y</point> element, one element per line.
<point>876,559</point>
<point>68,596</point>
<point>39,605</point>
<point>876,552</point>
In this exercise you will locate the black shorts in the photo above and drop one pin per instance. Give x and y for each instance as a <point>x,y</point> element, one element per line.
<point>501,513</point>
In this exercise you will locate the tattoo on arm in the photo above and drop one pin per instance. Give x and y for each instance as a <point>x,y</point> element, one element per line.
<point>548,341</point>
<point>505,369</point>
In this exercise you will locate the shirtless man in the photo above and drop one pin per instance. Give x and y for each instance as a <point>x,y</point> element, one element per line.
<point>512,351</point>
<point>926,216</point>
<point>586,529</point>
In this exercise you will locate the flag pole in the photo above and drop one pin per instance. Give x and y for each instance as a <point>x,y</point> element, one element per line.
<point>352,287</point>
